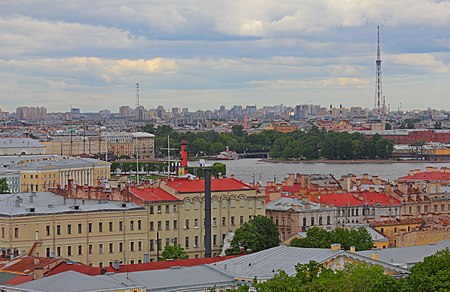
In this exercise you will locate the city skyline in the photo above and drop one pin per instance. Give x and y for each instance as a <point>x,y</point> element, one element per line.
<point>202,55</point>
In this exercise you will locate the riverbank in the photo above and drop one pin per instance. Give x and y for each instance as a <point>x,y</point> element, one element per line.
<point>383,161</point>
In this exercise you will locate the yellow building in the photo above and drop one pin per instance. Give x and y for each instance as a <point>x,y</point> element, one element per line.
<point>87,231</point>
<point>37,174</point>
<point>393,228</point>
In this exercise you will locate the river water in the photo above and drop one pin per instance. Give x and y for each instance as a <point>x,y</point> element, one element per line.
<point>248,170</point>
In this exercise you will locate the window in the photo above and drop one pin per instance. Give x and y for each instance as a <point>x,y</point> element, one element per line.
<point>312,221</point>
<point>242,202</point>
<point>132,225</point>
<point>320,220</point>
<point>214,221</point>
<point>69,250</point>
<point>328,220</point>
<point>132,246</point>
<point>69,228</point>
<point>196,241</point>
<point>152,245</point>
<point>159,245</point>
<point>58,229</point>
<point>100,226</point>
<point>89,228</point>
<point>110,247</point>
<point>223,238</point>
<point>410,210</point>
<point>90,249</point>
<point>100,248</point>
<point>58,251</point>
<point>47,230</point>
<point>80,249</point>
<point>159,225</point>
<point>215,203</point>
<point>214,239</point>
<point>435,208</point>
<point>224,202</point>
<point>251,204</point>
<point>418,209</point>
<point>151,210</point>
<point>382,230</point>
<point>16,232</point>
<point>167,225</point>
<point>175,224</point>
<point>120,226</point>
<point>120,246</point>
<point>241,220</point>
<point>110,226</point>
<point>80,229</point>
<point>196,223</point>
<point>186,224</point>
<point>282,221</point>
<point>139,245</point>
<point>224,221</point>
<point>167,241</point>
<point>304,222</point>
<point>425,208</point>
<point>187,205</point>
<point>175,208</point>
<point>159,209</point>
<point>186,242</point>
<point>232,220</point>
<point>152,226</point>
<point>196,205</point>
<point>139,224</point>
<point>47,252</point>
<point>167,209</point>
<point>3,232</point>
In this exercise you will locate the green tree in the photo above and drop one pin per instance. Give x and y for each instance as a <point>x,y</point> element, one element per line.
<point>4,189</point>
<point>256,234</point>
<point>438,125</point>
<point>173,252</point>
<point>433,274</point>
<point>238,130</point>
<point>320,238</point>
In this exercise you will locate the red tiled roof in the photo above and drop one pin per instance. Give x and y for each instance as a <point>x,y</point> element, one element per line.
<point>428,175</point>
<point>92,271</point>
<point>357,199</point>
<point>152,194</point>
<point>198,186</point>
<point>19,280</point>
<point>28,264</point>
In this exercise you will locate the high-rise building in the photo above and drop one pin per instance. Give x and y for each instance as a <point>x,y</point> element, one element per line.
<point>31,113</point>
<point>125,111</point>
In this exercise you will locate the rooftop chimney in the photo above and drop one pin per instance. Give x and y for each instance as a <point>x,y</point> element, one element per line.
<point>336,246</point>
<point>352,249</point>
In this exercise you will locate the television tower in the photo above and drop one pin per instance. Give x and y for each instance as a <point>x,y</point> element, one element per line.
<point>380,101</point>
<point>137,95</point>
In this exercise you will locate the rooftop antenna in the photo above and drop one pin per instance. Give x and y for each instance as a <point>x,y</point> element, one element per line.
<point>168,154</point>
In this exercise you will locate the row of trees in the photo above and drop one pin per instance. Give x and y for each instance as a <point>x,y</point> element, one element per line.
<point>310,145</point>
<point>433,274</point>
<point>320,238</point>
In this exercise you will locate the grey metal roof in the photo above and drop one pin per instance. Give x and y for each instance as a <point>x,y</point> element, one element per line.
<point>72,281</point>
<point>406,256</point>
<point>284,204</point>
<point>197,278</point>
<point>19,143</point>
<point>35,162</point>
<point>265,264</point>
<point>50,203</point>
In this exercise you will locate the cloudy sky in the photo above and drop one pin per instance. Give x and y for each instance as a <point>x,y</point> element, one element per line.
<point>202,54</point>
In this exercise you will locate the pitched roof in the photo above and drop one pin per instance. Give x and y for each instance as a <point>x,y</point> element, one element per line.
<point>427,175</point>
<point>198,186</point>
<point>71,281</point>
<point>397,222</point>
<point>357,199</point>
<point>153,194</point>
<point>25,265</point>
<point>87,270</point>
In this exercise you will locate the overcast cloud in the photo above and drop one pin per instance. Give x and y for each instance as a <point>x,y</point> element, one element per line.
<point>203,54</point>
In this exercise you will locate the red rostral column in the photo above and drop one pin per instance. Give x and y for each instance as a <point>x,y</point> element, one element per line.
<point>184,158</point>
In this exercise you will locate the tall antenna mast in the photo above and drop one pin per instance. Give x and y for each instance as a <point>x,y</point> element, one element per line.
<point>378,86</point>
<point>137,95</point>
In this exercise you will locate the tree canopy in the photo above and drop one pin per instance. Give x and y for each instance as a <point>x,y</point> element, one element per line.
<point>173,252</point>
<point>320,238</point>
<point>4,189</point>
<point>299,145</point>
<point>256,234</point>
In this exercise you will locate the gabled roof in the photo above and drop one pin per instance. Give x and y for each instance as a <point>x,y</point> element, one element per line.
<point>357,199</point>
<point>427,175</point>
<point>153,194</point>
<point>217,185</point>
<point>26,265</point>
<point>265,264</point>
